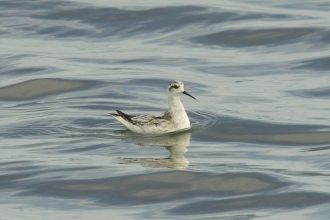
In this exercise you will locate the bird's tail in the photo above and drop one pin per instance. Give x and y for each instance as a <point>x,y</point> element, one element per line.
<point>122,115</point>
<point>122,118</point>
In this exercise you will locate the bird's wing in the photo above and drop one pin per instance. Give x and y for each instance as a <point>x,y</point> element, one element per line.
<point>150,119</point>
<point>147,123</point>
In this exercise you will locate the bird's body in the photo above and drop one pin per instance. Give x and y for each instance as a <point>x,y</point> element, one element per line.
<point>174,119</point>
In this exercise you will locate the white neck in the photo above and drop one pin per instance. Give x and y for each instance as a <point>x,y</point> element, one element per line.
<point>178,113</point>
<point>175,104</point>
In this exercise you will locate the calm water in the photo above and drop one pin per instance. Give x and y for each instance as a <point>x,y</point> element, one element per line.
<point>259,146</point>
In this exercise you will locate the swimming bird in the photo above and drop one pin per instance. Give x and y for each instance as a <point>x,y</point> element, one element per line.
<point>174,119</point>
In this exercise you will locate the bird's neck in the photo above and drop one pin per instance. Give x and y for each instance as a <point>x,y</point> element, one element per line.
<point>175,104</point>
<point>177,113</point>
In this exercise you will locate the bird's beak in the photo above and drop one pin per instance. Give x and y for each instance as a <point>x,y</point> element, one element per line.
<point>186,93</point>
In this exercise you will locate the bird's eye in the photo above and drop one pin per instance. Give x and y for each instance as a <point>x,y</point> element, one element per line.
<point>176,87</point>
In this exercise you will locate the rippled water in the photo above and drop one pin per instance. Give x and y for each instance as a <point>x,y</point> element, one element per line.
<point>260,141</point>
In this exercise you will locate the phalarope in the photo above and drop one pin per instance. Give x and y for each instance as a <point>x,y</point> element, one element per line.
<point>174,119</point>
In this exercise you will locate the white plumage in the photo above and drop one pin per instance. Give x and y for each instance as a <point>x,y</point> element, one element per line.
<point>174,119</point>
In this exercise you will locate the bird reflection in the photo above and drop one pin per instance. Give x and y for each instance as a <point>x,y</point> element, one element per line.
<point>176,144</point>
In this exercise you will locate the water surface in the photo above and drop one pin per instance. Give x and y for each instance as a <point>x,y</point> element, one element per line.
<point>260,138</point>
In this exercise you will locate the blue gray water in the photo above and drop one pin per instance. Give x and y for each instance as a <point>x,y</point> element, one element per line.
<point>259,146</point>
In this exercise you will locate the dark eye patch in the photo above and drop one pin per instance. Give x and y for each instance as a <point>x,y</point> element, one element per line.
<point>174,86</point>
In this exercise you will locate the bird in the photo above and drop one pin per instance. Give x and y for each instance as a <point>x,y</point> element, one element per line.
<point>174,119</point>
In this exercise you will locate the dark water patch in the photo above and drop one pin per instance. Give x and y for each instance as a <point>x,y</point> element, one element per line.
<point>50,127</point>
<point>305,138</point>
<point>246,99</point>
<point>62,31</point>
<point>4,165</point>
<point>162,83</point>
<point>90,60</point>
<point>22,168</point>
<point>249,38</point>
<point>245,126</point>
<point>173,15</point>
<point>123,84</point>
<point>82,132</point>
<point>101,106</point>
<point>217,128</point>
<point>11,57</point>
<point>307,174</point>
<point>111,93</point>
<point>27,176</point>
<point>159,61</point>
<point>157,187</point>
<point>245,70</point>
<point>31,130</point>
<point>154,82</point>
<point>319,5</point>
<point>90,122</point>
<point>147,81</point>
<point>319,64</point>
<point>9,180</point>
<point>109,15</point>
<point>3,32</point>
<point>35,4</point>
<point>115,21</point>
<point>37,88</point>
<point>292,200</point>
<point>323,92</point>
<point>77,149</point>
<point>319,148</point>
<point>325,37</point>
<point>23,70</point>
<point>8,65</point>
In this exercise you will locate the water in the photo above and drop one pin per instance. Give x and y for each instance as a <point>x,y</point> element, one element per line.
<point>259,146</point>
